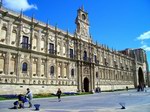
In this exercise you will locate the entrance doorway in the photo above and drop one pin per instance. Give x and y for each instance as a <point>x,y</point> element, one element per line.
<point>141,77</point>
<point>86,84</point>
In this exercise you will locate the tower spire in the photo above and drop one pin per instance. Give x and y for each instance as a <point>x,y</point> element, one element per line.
<point>82,7</point>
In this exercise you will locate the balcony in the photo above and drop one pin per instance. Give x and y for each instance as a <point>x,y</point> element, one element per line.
<point>72,56</point>
<point>52,51</point>
<point>116,65</point>
<point>26,45</point>
<point>127,68</point>
<point>96,61</point>
<point>106,63</point>
<point>87,59</point>
<point>122,67</point>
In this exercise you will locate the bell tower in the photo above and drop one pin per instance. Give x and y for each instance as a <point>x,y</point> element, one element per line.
<point>82,25</point>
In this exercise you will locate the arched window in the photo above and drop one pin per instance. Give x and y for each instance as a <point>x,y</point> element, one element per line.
<point>52,70</point>
<point>72,72</point>
<point>24,67</point>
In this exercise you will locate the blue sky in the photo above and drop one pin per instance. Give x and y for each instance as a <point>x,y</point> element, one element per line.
<point>120,24</point>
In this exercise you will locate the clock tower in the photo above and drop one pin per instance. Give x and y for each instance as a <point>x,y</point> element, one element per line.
<point>82,25</point>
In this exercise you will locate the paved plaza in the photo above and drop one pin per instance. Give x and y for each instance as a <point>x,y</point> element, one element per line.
<point>98,102</point>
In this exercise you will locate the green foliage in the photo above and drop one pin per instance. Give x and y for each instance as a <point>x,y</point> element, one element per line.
<point>43,95</point>
<point>84,93</point>
<point>3,98</point>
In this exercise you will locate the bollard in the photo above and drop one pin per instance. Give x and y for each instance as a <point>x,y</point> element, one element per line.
<point>37,106</point>
<point>122,105</point>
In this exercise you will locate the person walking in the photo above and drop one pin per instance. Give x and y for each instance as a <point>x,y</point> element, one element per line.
<point>29,96</point>
<point>59,94</point>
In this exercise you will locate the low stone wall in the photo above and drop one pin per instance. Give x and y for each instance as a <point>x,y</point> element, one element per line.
<point>114,87</point>
<point>36,89</point>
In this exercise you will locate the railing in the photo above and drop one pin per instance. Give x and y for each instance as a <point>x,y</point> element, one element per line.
<point>52,51</point>
<point>72,56</point>
<point>97,61</point>
<point>106,63</point>
<point>87,59</point>
<point>26,45</point>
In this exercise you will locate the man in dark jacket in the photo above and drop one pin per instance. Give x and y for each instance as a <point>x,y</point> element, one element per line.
<point>59,94</point>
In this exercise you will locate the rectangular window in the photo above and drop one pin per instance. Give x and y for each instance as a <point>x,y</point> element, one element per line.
<point>95,58</point>
<point>71,53</point>
<point>51,48</point>
<point>25,43</point>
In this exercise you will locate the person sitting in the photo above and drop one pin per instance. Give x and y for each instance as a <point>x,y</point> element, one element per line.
<point>20,102</point>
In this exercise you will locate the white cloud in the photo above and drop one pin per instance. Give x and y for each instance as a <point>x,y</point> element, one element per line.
<point>18,5</point>
<point>146,48</point>
<point>144,36</point>
<point>142,42</point>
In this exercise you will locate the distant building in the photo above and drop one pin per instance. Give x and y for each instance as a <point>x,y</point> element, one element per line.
<point>140,57</point>
<point>44,58</point>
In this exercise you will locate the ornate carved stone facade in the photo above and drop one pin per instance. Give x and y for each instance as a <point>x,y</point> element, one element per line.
<point>36,55</point>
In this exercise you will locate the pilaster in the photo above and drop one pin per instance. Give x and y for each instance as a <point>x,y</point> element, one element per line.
<point>47,71</point>
<point>18,66</point>
<point>30,72</point>
<point>62,69</point>
<point>8,33</point>
<point>79,76</point>
<point>7,62</point>
<point>91,83</point>
<point>39,67</point>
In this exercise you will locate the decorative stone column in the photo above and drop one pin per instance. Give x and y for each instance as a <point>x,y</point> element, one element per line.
<point>57,70</point>
<point>79,75</point>
<point>39,40</point>
<point>62,70</point>
<point>8,33</point>
<point>18,66</point>
<point>68,71</point>
<point>92,78</point>
<point>30,72</point>
<point>39,67</point>
<point>47,69</point>
<point>7,62</point>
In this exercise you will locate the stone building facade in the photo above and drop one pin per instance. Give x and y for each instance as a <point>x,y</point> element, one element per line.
<point>44,58</point>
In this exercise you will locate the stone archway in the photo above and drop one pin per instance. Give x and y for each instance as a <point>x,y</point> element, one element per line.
<point>140,76</point>
<point>86,84</point>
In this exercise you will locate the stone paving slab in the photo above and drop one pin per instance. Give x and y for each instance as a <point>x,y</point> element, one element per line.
<point>143,108</point>
<point>103,102</point>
